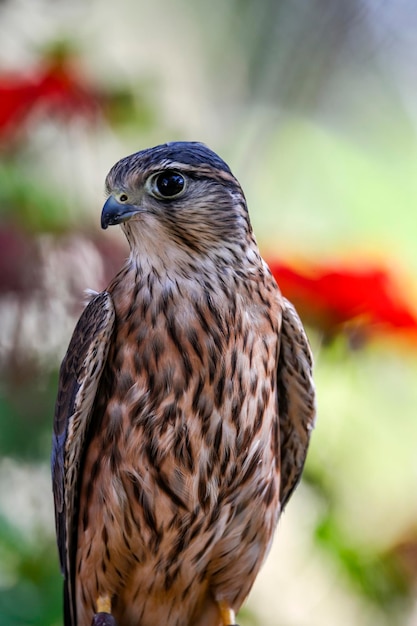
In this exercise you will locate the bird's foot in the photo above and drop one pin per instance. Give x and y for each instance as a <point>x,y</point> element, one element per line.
<point>103,619</point>
<point>227,614</point>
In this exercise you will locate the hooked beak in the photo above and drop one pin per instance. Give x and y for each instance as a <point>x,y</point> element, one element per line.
<point>115,212</point>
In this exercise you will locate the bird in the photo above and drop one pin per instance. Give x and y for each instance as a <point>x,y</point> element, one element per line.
<point>185,405</point>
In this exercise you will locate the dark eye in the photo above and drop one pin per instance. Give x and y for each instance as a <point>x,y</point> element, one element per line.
<point>168,184</point>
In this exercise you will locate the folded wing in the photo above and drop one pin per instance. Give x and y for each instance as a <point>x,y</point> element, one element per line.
<point>79,378</point>
<point>296,399</point>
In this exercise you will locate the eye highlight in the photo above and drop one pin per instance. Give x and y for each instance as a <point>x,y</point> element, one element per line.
<point>167,184</point>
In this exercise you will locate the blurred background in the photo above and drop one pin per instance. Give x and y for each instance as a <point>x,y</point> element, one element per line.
<point>314,106</point>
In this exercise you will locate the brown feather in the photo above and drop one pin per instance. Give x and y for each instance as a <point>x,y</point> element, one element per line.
<point>79,377</point>
<point>296,399</point>
<point>195,426</point>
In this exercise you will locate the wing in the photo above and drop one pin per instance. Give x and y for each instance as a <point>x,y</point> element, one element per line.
<point>79,377</point>
<point>296,399</point>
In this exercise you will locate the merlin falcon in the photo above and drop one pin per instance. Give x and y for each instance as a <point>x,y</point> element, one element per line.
<point>185,405</point>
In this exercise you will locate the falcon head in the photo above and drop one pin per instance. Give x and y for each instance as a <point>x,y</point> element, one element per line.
<point>177,193</point>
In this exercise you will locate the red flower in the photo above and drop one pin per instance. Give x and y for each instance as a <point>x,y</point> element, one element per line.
<point>367,300</point>
<point>56,88</point>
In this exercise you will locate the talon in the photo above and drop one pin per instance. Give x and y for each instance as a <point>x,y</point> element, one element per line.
<point>103,619</point>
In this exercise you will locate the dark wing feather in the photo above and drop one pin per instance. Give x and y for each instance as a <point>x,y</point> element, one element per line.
<point>79,377</point>
<point>296,399</point>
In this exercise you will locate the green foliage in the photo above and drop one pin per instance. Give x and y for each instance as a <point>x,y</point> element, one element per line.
<point>26,417</point>
<point>30,585</point>
<point>25,201</point>
<point>372,574</point>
